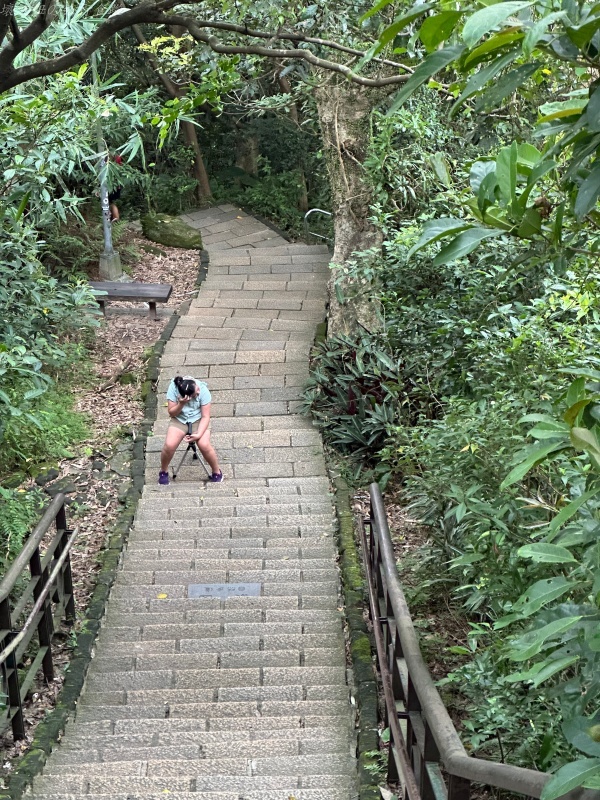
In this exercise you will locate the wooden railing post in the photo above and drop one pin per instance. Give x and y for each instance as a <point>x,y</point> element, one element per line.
<point>67,575</point>
<point>11,675</point>
<point>45,626</point>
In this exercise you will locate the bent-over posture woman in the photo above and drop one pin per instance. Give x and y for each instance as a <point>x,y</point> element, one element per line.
<point>188,400</point>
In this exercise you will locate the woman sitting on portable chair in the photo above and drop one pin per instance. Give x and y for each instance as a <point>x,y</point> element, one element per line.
<point>188,403</point>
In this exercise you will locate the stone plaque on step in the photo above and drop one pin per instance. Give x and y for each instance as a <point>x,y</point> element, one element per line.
<point>223,590</point>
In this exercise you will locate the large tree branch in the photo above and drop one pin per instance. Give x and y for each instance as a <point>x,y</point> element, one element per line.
<point>154,13</point>
<point>7,8</point>
<point>195,29</point>
<point>35,29</point>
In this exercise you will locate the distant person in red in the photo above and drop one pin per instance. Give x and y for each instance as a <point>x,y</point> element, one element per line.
<point>115,195</point>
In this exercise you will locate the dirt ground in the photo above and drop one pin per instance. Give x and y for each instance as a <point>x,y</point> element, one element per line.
<point>118,347</point>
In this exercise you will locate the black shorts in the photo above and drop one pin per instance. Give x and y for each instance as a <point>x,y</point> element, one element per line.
<point>112,196</point>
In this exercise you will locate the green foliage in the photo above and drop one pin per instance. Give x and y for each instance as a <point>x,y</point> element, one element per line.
<point>275,196</point>
<point>45,434</point>
<point>483,337</point>
<point>19,511</point>
<point>353,393</point>
<point>540,195</point>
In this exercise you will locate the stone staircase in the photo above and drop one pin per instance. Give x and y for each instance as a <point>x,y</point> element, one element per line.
<point>227,697</point>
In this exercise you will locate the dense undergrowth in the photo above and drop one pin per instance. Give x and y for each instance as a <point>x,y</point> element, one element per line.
<point>473,353</point>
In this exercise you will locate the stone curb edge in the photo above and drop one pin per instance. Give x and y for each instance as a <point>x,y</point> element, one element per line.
<point>354,591</point>
<point>50,729</point>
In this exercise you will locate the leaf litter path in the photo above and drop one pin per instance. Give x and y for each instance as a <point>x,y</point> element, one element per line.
<point>227,697</point>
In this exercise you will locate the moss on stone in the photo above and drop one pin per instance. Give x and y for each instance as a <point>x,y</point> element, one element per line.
<point>171,231</point>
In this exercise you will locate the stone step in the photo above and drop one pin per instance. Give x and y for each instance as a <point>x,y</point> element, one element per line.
<point>174,748</point>
<point>241,529</point>
<point>199,499</point>
<point>320,509</point>
<point>308,547</point>
<point>298,794</point>
<point>210,710</point>
<point>209,631</point>
<point>215,785</point>
<point>239,766</point>
<point>292,602</point>
<point>224,660</point>
<point>269,578</point>
<point>202,563</point>
<point>80,737</point>
<point>253,615</point>
<point>254,726</point>
<point>225,694</point>
<point>329,588</point>
<point>304,590</point>
<point>216,678</point>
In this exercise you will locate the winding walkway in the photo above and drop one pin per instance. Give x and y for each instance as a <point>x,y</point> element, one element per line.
<point>227,697</point>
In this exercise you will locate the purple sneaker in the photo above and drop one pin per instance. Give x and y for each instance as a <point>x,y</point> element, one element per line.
<point>216,477</point>
<point>163,478</point>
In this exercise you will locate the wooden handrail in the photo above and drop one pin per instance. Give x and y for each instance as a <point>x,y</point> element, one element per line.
<point>33,542</point>
<point>431,737</point>
<point>44,587</point>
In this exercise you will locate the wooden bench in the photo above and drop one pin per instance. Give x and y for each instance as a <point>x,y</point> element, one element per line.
<point>151,293</point>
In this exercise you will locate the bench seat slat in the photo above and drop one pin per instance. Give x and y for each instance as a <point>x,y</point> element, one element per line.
<point>144,292</point>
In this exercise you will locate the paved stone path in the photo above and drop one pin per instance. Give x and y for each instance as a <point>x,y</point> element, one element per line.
<point>244,698</point>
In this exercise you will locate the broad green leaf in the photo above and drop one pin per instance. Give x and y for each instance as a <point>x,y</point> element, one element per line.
<point>543,670</point>
<point>438,228</point>
<point>561,109</point>
<point>546,553</point>
<point>440,167</point>
<point>552,668</point>
<point>585,439</point>
<point>571,509</point>
<point>540,594</point>
<point>576,391</point>
<point>531,224</point>
<point>577,733</point>
<point>592,112</point>
<point>426,69</point>
<point>497,217</point>
<point>467,558</point>
<point>438,28</point>
<point>401,22</point>
<point>528,156</point>
<point>581,35</point>
<point>588,193</point>
<point>479,171</point>
<point>531,643</point>
<point>490,47</point>
<point>464,244</point>
<point>477,81</point>
<point>486,19</point>
<point>570,777</point>
<point>538,29</point>
<point>506,171</point>
<point>573,412</point>
<point>506,85</point>
<point>535,455</point>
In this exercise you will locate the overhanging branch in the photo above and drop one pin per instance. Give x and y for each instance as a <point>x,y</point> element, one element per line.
<point>154,13</point>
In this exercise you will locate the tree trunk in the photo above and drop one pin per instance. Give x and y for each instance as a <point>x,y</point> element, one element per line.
<point>344,111</point>
<point>188,130</point>
<point>246,156</point>
<point>286,87</point>
<point>199,170</point>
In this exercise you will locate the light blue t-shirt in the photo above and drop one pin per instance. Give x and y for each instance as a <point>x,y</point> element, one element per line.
<point>192,410</point>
